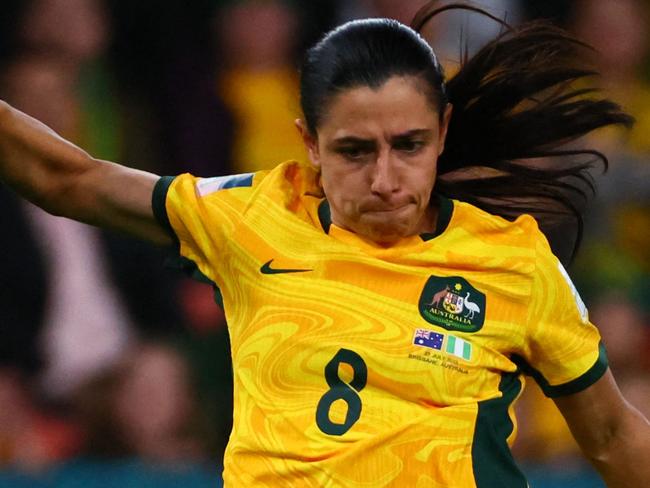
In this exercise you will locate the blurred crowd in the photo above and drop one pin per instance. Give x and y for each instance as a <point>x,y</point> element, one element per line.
<point>107,356</point>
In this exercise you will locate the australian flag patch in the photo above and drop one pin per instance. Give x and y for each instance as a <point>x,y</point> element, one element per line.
<point>428,338</point>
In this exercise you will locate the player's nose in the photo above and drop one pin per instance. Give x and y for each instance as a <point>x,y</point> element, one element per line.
<point>384,175</point>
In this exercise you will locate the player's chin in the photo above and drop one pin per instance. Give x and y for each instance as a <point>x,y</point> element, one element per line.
<point>387,231</point>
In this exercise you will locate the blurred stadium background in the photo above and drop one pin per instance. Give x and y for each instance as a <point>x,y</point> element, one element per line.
<point>114,371</point>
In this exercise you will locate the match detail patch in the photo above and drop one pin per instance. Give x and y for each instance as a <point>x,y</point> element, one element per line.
<point>453,345</point>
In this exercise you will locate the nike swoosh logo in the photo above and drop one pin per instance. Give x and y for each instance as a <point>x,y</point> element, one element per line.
<point>266,269</point>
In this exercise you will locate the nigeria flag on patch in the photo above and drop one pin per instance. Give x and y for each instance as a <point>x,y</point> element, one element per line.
<point>459,347</point>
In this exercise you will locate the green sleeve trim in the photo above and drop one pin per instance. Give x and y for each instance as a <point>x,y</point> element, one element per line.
<point>186,265</point>
<point>579,384</point>
<point>158,204</point>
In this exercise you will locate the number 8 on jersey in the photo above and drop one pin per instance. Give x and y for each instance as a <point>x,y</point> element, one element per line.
<point>340,390</point>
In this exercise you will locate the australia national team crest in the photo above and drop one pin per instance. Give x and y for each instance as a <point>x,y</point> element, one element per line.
<point>451,302</point>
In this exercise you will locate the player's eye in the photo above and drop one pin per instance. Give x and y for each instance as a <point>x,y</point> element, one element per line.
<point>409,146</point>
<point>354,153</point>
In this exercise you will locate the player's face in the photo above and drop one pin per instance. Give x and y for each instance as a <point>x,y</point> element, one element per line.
<point>377,150</point>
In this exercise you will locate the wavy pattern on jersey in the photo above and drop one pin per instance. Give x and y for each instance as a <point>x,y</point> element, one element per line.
<point>417,418</point>
<point>557,351</point>
<point>275,355</point>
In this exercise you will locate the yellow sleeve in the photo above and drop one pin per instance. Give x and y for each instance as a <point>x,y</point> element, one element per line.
<point>563,349</point>
<point>201,215</point>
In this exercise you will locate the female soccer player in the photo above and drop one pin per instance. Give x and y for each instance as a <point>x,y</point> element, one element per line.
<point>384,301</point>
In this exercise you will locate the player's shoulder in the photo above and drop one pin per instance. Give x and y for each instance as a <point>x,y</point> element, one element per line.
<point>523,231</point>
<point>291,178</point>
<point>520,239</point>
<point>288,178</point>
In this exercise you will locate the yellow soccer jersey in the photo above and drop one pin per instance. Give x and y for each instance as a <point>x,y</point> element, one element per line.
<point>357,365</point>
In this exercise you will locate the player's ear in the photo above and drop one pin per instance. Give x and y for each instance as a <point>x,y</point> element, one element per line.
<point>444,125</point>
<point>310,141</point>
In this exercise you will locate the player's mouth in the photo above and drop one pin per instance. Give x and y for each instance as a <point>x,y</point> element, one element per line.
<point>386,211</point>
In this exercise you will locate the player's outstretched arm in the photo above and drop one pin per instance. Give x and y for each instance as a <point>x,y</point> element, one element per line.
<point>64,180</point>
<point>612,434</point>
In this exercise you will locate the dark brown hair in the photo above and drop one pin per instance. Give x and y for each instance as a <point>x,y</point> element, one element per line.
<point>517,110</point>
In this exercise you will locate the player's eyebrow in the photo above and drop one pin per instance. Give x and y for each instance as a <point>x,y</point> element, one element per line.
<point>355,140</point>
<point>352,140</point>
<point>404,135</point>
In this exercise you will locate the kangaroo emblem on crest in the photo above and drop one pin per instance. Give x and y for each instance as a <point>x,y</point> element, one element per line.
<point>437,297</point>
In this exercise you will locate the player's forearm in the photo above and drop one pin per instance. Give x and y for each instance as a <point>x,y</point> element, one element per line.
<point>624,462</point>
<point>64,180</point>
<point>35,161</point>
